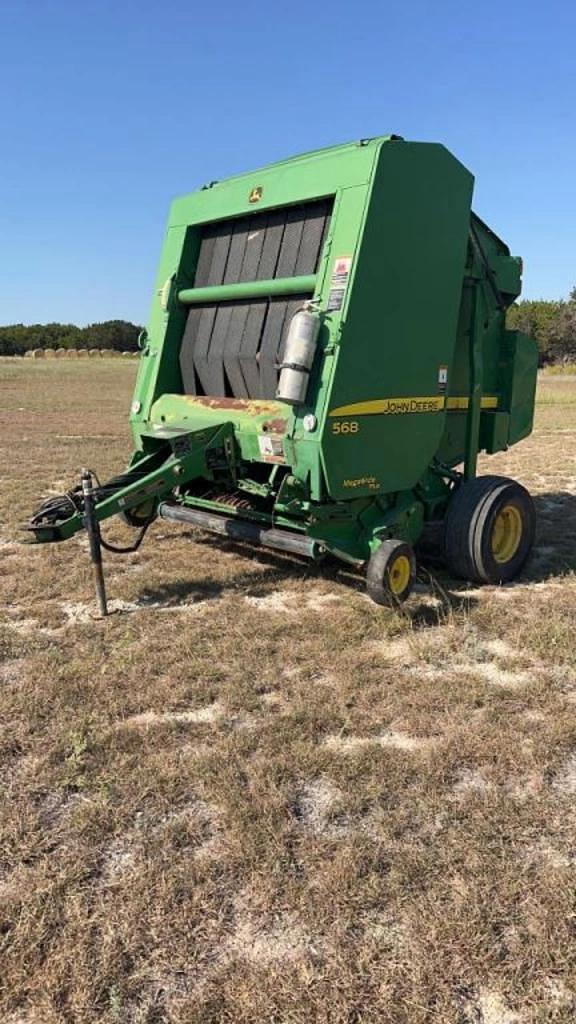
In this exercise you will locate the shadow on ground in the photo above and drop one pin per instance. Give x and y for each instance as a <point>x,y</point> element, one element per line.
<point>555,549</point>
<point>554,555</point>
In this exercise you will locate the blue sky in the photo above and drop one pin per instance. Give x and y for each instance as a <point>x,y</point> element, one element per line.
<point>108,110</point>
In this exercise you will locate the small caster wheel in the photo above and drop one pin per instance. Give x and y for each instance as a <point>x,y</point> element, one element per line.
<point>391,573</point>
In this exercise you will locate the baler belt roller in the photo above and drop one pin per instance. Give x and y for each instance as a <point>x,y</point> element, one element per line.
<point>249,290</point>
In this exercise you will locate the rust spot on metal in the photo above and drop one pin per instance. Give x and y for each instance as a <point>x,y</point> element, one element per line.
<point>256,407</point>
<point>215,403</point>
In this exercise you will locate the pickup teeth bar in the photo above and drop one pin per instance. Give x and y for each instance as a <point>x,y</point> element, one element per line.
<point>231,500</point>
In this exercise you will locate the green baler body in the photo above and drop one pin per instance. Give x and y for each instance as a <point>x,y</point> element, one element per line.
<point>414,372</point>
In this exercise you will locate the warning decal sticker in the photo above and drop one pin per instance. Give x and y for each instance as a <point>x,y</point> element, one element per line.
<point>338,282</point>
<point>335,299</point>
<point>341,271</point>
<point>271,448</point>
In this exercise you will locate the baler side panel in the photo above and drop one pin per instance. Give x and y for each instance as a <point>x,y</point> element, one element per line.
<point>400,323</point>
<point>503,267</point>
<point>520,384</point>
<point>500,366</point>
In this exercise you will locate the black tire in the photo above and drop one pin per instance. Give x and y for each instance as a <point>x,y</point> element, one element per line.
<point>391,573</point>
<point>489,529</point>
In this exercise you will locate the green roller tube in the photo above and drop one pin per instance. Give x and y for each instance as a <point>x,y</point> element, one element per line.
<point>249,290</point>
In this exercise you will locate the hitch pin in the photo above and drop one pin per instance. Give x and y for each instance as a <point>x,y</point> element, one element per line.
<point>93,530</point>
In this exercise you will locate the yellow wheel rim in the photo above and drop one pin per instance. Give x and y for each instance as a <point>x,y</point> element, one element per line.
<point>506,534</point>
<point>399,575</point>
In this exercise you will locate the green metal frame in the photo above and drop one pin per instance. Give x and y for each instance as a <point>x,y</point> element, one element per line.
<point>415,372</point>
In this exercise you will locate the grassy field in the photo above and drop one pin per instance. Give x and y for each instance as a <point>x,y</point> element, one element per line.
<point>253,796</point>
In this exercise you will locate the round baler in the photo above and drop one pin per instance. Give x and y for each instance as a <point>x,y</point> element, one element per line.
<point>326,357</point>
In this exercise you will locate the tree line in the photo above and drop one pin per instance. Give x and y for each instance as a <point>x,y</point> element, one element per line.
<point>551,323</point>
<point>17,339</point>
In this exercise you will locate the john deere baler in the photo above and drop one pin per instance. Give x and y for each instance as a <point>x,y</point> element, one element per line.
<point>326,357</point>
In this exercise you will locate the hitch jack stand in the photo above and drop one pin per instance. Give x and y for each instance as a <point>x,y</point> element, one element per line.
<point>93,530</point>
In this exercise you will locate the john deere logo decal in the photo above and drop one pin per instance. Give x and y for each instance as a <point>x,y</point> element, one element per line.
<point>256,194</point>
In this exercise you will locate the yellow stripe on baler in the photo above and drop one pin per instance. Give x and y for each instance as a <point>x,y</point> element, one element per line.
<point>407,405</point>
<point>487,402</point>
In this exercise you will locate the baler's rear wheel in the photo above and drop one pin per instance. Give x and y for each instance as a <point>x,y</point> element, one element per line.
<point>391,573</point>
<point>489,529</point>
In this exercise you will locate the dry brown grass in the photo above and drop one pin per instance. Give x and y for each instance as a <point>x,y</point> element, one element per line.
<point>253,796</point>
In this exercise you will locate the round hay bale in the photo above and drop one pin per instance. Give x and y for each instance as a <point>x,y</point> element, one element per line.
<point>60,353</point>
<point>28,354</point>
<point>113,353</point>
<point>94,353</point>
<point>49,353</point>
<point>72,353</point>
<point>82,353</point>
<point>104,352</point>
<point>38,353</point>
